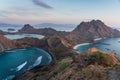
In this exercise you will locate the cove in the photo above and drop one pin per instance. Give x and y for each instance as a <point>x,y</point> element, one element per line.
<point>107,44</point>
<point>15,62</point>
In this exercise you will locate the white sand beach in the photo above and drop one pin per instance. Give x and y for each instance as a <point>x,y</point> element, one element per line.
<point>75,47</point>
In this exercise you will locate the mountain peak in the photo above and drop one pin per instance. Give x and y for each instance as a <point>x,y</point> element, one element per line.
<point>88,25</point>
<point>94,29</point>
<point>27,27</point>
<point>92,22</point>
<point>97,22</point>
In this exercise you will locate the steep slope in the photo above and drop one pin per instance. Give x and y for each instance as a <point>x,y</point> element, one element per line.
<point>5,44</point>
<point>96,28</point>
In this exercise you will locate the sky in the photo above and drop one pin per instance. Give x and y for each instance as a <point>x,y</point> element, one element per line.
<point>59,11</point>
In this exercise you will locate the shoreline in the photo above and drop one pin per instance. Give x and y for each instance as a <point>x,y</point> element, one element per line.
<point>75,47</point>
<point>97,39</point>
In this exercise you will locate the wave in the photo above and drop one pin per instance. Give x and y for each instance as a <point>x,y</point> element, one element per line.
<point>21,66</point>
<point>36,63</point>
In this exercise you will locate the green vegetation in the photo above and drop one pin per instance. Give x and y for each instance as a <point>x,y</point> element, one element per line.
<point>100,58</point>
<point>63,64</point>
<point>40,78</point>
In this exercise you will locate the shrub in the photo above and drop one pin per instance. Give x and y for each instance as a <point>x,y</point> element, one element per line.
<point>40,78</point>
<point>100,58</point>
<point>63,64</point>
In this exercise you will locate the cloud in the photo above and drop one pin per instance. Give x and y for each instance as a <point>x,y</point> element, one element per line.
<point>42,4</point>
<point>23,13</point>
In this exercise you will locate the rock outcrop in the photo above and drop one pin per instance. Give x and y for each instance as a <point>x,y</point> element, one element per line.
<point>6,44</point>
<point>110,58</point>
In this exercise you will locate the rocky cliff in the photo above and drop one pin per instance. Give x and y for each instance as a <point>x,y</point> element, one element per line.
<point>6,44</point>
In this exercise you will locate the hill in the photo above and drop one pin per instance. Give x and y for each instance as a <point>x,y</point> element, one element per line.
<point>88,31</point>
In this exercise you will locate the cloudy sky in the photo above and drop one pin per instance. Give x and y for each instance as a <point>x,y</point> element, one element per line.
<point>59,11</point>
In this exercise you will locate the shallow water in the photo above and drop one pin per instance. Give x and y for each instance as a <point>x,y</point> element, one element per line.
<point>15,62</point>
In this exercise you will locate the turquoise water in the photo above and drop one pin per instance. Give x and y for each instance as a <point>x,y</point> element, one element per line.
<point>108,45</point>
<point>15,62</point>
<point>20,36</point>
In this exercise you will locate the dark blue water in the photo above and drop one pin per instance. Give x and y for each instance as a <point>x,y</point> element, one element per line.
<point>108,45</point>
<point>15,62</point>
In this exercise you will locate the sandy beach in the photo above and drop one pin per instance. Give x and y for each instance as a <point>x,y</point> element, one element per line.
<point>97,39</point>
<point>75,47</point>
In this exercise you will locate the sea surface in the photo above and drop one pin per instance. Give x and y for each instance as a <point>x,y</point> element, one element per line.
<point>5,28</point>
<point>15,62</point>
<point>107,44</point>
<point>20,36</point>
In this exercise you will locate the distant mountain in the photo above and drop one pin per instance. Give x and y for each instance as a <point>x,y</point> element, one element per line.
<point>58,27</point>
<point>42,31</point>
<point>7,27</point>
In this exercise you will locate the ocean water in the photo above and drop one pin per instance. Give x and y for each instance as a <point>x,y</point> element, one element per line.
<point>5,28</point>
<point>15,62</point>
<point>20,36</point>
<point>107,44</point>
